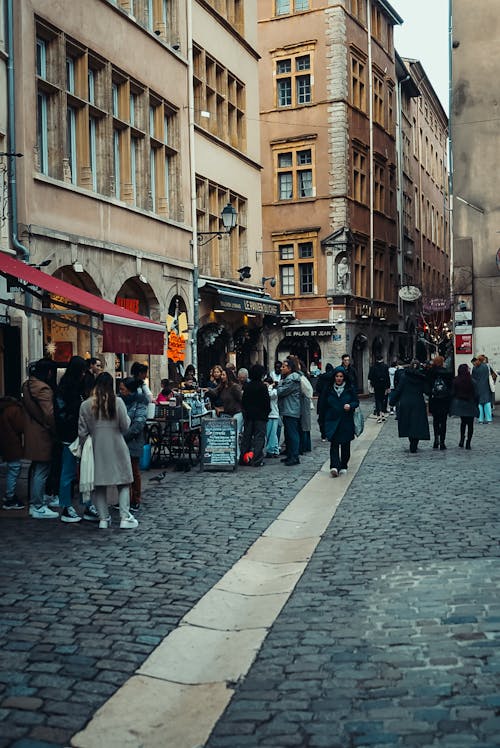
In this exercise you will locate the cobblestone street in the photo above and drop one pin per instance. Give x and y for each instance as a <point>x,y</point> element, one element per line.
<point>390,638</point>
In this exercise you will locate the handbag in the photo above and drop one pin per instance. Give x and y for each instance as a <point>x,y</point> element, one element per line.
<point>491,383</point>
<point>359,422</point>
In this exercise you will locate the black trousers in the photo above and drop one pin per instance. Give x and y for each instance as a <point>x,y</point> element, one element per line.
<point>340,455</point>
<point>439,421</point>
<point>466,422</point>
<point>379,400</point>
<point>254,438</point>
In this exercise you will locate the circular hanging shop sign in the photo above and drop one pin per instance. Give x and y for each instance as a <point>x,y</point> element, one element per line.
<point>409,293</point>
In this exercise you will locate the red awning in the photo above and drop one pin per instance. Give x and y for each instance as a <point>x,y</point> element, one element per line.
<point>123,331</point>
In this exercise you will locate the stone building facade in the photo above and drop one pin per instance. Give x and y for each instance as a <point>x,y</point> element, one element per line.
<point>330,236</point>
<point>476,163</point>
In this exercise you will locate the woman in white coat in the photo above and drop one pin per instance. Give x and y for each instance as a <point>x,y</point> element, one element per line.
<point>104,417</point>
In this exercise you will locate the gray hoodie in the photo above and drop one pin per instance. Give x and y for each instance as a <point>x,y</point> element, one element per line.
<point>289,395</point>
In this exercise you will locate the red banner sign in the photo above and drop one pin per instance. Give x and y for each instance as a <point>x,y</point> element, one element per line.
<point>132,305</point>
<point>463,344</point>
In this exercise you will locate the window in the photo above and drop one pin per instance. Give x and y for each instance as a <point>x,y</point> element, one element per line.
<point>285,7</point>
<point>359,177</point>
<point>114,128</point>
<point>360,270</point>
<point>232,11</point>
<point>220,93</point>
<point>358,83</point>
<point>358,10</point>
<point>293,80</point>
<point>378,100</point>
<point>294,173</point>
<point>390,107</point>
<point>378,275</point>
<point>379,188</point>
<point>296,265</point>
<point>221,258</point>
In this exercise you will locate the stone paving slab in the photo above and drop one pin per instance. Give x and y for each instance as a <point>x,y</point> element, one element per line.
<point>391,636</point>
<point>81,610</point>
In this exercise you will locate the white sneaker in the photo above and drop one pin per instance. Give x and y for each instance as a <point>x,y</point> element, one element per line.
<point>128,523</point>
<point>68,514</point>
<point>334,473</point>
<point>343,471</point>
<point>51,501</point>
<point>105,524</point>
<point>42,512</point>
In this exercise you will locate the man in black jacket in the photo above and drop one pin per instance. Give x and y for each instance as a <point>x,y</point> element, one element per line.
<point>256,406</point>
<point>381,383</point>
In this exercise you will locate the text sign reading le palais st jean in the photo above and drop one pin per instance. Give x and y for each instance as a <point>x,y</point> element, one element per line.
<point>218,444</point>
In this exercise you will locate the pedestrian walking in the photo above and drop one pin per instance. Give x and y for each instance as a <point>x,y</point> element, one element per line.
<point>11,448</point>
<point>350,371</point>
<point>378,377</point>
<point>256,406</point>
<point>104,417</point>
<point>412,411</point>
<point>464,403</point>
<point>39,433</point>
<point>272,448</point>
<point>290,409</point>
<point>322,386</point>
<point>481,376</point>
<point>439,399</point>
<point>341,402</point>
<point>136,405</point>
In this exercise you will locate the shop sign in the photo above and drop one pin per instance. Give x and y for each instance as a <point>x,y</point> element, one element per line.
<point>463,344</point>
<point>218,444</point>
<point>321,332</point>
<point>409,293</point>
<point>436,305</point>
<point>131,305</point>
<point>251,306</point>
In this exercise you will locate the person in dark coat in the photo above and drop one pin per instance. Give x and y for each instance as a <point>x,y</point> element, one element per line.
<point>256,406</point>
<point>341,403</point>
<point>412,412</point>
<point>11,447</point>
<point>464,403</point>
<point>136,403</point>
<point>381,383</point>
<point>481,377</point>
<point>322,386</point>
<point>439,399</point>
<point>351,373</point>
<point>69,396</point>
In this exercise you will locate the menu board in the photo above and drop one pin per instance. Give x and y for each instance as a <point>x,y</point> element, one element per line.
<point>218,444</point>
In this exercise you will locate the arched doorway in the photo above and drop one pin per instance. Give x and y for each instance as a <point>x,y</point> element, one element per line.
<point>178,336</point>
<point>245,346</point>
<point>213,346</point>
<point>137,297</point>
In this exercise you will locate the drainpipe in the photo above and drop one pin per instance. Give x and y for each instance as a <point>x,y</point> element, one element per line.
<point>450,150</point>
<point>194,240</point>
<point>20,248</point>
<point>400,161</point>
<point>370,117</point>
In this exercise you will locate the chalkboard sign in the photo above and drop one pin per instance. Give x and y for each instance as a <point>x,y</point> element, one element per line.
<point>218,444</point>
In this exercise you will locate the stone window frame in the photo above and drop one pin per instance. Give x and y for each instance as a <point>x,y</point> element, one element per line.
<point>290,7</point>
<point>95,112</point>
<point>379,186</point>
<point>296,262</point>
<point>294,74</point>
<point>378,84</point>
<point>360,255</point>
<point>160,17</point>
<point>231,11</point>
<point>219,93</point>
<point>295,168</point>
<point>358,80</point>
<point>360,173</point>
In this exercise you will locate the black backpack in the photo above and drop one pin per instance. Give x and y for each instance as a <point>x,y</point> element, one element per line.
<point>439,388</point>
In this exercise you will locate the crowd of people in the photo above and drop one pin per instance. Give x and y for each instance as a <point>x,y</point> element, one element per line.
<point>52,423</point>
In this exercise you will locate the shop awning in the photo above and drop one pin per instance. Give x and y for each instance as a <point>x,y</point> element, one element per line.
<point>234,299</point>
<point>123,331</point>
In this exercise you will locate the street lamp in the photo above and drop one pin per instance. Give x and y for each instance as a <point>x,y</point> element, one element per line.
<point>228,218</point>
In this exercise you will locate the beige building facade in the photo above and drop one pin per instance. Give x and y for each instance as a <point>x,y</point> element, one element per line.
<point>475,143</point>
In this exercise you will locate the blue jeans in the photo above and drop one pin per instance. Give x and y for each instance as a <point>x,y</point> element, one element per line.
<point>39,474</point>
<point>272,443</point>
<point>68,476</point>
<point>13,470</point>
<point>484,412</point>
<point>292,439</point>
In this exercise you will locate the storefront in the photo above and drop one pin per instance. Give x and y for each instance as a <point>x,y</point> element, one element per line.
<point>232,320</point>
<point>310,342</point>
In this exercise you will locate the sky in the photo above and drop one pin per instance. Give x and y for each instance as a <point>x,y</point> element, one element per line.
<point>424,36</point>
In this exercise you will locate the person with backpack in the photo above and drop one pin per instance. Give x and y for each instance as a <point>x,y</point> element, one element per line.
<point>440,380</point>
<point>379,379</point>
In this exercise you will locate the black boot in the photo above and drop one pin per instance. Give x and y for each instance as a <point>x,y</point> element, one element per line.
<point>462,435</point>
<point>436,443</point>
<point>442,445</point>
<point>467,444</point>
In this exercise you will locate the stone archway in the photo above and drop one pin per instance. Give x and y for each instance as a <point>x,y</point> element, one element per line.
<point>213,346</point>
